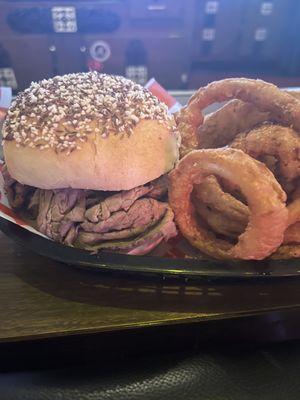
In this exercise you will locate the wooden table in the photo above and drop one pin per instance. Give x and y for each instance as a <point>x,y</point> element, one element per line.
<point>53,314</point>
<point>43,298</point>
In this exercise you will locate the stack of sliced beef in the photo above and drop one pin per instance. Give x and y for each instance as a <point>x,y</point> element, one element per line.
<point>132,221</point>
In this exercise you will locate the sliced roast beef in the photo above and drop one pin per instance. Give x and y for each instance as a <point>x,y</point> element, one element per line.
<point>62,216</point>
<point>44,214</point>
<point>64,201</point>
<point>59,210</point>
<point>34,204</point>
<point>129,221</point>
<point>94,238</point>
<point>71,235</point>
<point>94,197</point>
<point>64,228</point>
<point>77,213</point>
<point>142,212</point>
<point>120,201</point>
<point>17,193</point>
<point>159,188</point>
<point>143,243</point>
<point>141,216</point>
<point>8,180</point>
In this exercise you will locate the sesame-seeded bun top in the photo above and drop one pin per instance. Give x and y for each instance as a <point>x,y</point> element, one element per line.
<point>88,131</point>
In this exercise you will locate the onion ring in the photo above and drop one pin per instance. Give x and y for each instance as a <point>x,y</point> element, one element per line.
<point>286,252</point>
<point>221,127</point>
<point>291,241</point>
<point>232,227</point>
<point>292,234</point>
<point>268,218</point>
<point>273,140</point>
<point>283,142</point>
<point>211,193</point>
<point>265,142</point>
<point>266,96</point>
<point>294,93</point>
<point>219,222</point>
<point>231,224</point>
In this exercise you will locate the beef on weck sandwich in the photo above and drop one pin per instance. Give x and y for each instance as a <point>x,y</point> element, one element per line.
<point>86,158</point>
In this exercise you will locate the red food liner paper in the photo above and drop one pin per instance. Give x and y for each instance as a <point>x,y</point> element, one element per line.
<point>8,213</point>
<point>162,94</point>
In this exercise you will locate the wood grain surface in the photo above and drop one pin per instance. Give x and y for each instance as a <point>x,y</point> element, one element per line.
<point>42,298</point>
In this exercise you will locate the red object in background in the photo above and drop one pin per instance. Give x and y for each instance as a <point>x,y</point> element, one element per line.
<point>10,213</point>
<point>162,94</point>
<point>94,65</point>
<point>2,113</point>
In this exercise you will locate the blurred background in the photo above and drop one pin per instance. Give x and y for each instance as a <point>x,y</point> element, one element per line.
<point>182,43</point>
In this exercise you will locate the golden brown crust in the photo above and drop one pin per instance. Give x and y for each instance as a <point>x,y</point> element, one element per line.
<point>275,140</point>
<point>219,222</point>
<point>211,193</point>
<point>286,252</point>
<point>271,140</point>
<point>265,197</point>
<point>221,127</point>
<point>265,96</point>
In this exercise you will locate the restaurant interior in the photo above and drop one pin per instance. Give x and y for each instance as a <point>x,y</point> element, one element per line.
<point>76,326</point>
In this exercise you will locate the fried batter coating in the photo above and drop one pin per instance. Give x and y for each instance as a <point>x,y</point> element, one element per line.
<point>265,198</point>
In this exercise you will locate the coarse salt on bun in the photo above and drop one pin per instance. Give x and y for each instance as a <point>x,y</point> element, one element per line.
<point>88,131</point>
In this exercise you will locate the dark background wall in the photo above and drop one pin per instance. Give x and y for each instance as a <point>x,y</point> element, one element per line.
<point>183,43</point>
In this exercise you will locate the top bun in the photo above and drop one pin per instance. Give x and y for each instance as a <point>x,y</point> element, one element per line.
<point>88,131</point>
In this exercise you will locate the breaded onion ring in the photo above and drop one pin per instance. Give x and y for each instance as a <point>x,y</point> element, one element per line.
<point>291,242</point>
<point>230,223</point>
<point>221,127</point>
<point>211,193</point>
<point>264,142</point>
<point>219,222</point>
<point>267,97</point>
<point>273,140</point>
<point>228,216</point>
<point>294,93</point>
<point>266,200</point>
<point>292,234</point>
<point>286,252</point>
<point>294,212</point>
<point>283,143</point>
